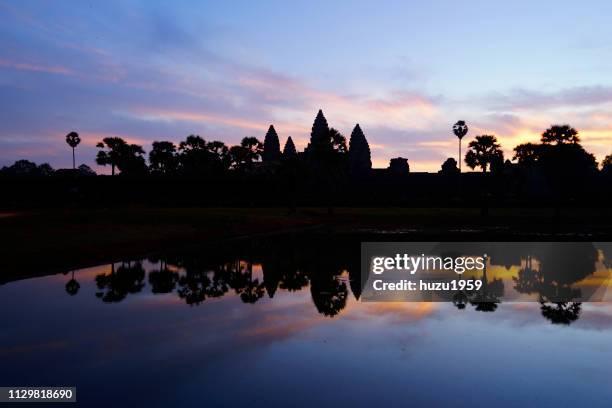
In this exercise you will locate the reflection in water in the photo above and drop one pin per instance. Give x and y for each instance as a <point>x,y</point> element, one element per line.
<point>329,266</point>
<point>486,300</point>
<point>162,280</point>
<point>270,321</point>
<point>72,287</point>
<point>127,279</point>
<point>551,280</point>
<point>561,312</point>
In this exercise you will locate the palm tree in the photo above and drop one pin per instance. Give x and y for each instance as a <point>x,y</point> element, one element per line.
<point>460,129</point>
<point>73,141</point>
<point>128,158</point>
<point>163,158</point>
<point>484,151</point>
<point>606,164</point>
<point>560,134</point>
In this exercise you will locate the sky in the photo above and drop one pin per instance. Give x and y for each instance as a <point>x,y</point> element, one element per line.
<point>405,71</point>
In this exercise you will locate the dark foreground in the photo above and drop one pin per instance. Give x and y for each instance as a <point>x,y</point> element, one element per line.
<point>277,321</point>
<point>42,242</point>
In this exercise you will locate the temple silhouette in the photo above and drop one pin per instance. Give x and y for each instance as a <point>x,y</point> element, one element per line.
<point>331,171</point>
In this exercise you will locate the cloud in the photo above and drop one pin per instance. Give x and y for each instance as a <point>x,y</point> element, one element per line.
<point>155,74</point>
<point>24,66</point>
<point>528,99</point>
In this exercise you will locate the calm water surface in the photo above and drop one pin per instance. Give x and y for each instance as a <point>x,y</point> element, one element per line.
<point>279,323</point>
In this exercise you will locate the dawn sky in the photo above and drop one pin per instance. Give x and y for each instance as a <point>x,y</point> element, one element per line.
<point>405,71</point>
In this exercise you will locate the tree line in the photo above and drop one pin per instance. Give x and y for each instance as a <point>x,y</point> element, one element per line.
<point>328,269</point>
<point>559,148</point>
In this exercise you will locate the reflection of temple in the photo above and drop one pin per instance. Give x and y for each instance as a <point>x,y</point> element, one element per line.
<point>330,269</point>
<point>250,270</point>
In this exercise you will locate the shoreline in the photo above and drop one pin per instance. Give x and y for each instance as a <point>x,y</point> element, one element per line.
<point>53,241</point>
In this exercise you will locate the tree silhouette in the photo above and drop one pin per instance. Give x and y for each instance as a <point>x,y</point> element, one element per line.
<point>359,157</point>
<point>26,168</point>
<point>249,152</point>
<point>271,146</point>
<point>73,141</point>
<point>328,293</point>
<point>606,164</point>
<point>338,141</point>
<point>249,289</point>
<point>197,157</point>
<point>560,134</point>
<point>460,300</point>
<point>460,129</point>
<point>483,151</point>
<point>449,167</point>
<point>528,279</point>
<point>192,286</point>
<point>293,279</point>
<point>488,297</point>
<point>194,158</point>
<point>567,167</point>
<point>128,158</point>
<point>115,286</point>
<point>527,153</point>
<point>552,281</point>
<point>72,286</point>
<point>561,312</point>
<point>289,149</point>
<point>163,280</point>
<point>163,158</point>
<point>112,155</point>
<point>201,281</point>
<point>220,153</point>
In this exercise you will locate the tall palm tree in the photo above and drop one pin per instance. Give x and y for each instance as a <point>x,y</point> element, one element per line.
<point>73,141</point>
<point>460,129</point>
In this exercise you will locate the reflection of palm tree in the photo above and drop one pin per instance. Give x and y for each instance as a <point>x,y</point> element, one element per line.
<point>559,269</point>
<point>528,279</point>
<point>562,313</point>
<point>198,283</point>
<point>72,287</point>
<point>114,287</point>
<point>487,298</point>
<point>293,280</point>
<point>163,280</point>
<point>460,300</point>
<point>250,289</point>
<point>328,294</point>
<point>193,287</point>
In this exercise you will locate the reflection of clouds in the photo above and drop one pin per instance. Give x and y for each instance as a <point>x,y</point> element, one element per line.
<point>279,324</point>
<point>394,312</point>
<point>595,316</point>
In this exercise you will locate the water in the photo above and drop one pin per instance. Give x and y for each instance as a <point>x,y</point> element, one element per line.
<point>278,323</point>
